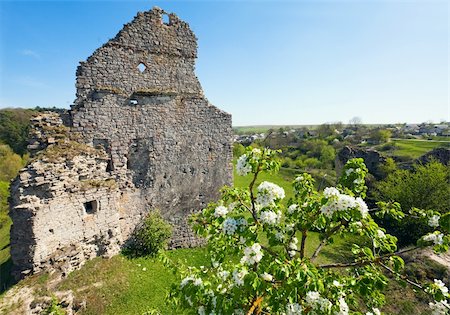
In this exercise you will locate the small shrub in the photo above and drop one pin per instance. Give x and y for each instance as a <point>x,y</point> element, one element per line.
<point>54,308</point>
<point>149,237</point>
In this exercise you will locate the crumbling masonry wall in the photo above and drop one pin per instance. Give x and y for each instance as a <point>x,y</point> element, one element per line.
<point>156,143</point>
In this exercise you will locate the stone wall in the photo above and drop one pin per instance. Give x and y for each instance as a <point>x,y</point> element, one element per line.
<point>142,136</point>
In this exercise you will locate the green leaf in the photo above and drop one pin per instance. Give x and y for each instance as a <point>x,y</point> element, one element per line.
<point>444,222</point>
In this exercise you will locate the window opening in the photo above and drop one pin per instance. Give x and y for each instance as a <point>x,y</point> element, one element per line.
<point>165,19</point>
<point>91,207</point>
<point>142,67</point>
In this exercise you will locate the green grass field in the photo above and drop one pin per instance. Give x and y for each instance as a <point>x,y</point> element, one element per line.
<point>416,148</point>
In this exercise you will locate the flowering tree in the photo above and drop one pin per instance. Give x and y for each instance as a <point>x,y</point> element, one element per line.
<point>257,243</point>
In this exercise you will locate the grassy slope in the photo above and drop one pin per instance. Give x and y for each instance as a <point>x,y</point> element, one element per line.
<point>415,149</point>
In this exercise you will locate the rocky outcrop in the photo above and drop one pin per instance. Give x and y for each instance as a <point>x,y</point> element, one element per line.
<point>372,158</point>
<point>441,155</point>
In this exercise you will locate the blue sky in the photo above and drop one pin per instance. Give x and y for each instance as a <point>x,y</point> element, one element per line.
<point>265,62</point>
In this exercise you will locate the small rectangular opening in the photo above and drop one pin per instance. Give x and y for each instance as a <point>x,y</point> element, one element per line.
<point>91,207</point>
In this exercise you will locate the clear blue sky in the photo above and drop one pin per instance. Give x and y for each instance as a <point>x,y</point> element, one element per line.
<point>265,62</point>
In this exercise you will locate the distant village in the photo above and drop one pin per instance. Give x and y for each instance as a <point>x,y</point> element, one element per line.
<point>352,133</point>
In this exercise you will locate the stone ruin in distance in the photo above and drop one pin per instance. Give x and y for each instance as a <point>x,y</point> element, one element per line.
<point>140,136</point>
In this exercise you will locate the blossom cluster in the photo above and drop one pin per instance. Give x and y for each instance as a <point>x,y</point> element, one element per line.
<point>294,309</point>
<point>243,167</point>
<point>439,308</point>
<point>238,276</point>
<point>252,254</point>
<point>220,211</point>
<point>268,193</point>
<point>435,238</point>
<point>270,217</point>
<point>314,300</point>
<point>434,221</point>
<point>340,202</point>
<point>195,281</point>
<point>230,225</point>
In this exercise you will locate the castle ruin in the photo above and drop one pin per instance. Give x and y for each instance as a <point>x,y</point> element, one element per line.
<point>140,136</point>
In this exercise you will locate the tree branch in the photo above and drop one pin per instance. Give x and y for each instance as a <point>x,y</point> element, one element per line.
<point>327,236</point>
<point>377,260</point>
<point>302,246</point>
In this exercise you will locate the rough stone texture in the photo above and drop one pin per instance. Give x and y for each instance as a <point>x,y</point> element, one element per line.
<point>441,155</point>
<point>372,158</point>
<point>138,140</point>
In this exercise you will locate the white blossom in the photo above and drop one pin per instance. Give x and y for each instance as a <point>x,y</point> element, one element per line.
<point>229,226</point>
<point>267,276</point>
<point>331,192</point>
<point>441,286</point>
<point>293,309</point>
<point>268,193</point>
<point>279,236</point>
<point>362,207</point>
<point>270,217</point>
<point>293,243</point>
<point>220,211</point>
<point>436,239</point>
<point>224,274</point>
<point>312,297</point>
<point>375,311</point>
<point>238,276</point>
<point>341,202</point>
<point>238,312</point>
<point>201,310</point>
<point>434,221</point>
<point>292,208</point>
<point>196,281</point>
<point>252,254</point>
<point>242,166</point>
<point>380,234</point>
<point>256,151</point>
<point>343,307</point>
<point>349,171</point>
<point>439,308</point>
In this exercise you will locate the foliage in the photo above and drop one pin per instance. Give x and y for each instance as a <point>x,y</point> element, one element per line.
<point>425,187</point>
<point>310,154</point>
<point>10,163</point>
<point>14,126</point>
<point>238,149</point>
<point>259,265</point>
<point>54,308</point>
<point>150,237</point>
<point>380,135</point>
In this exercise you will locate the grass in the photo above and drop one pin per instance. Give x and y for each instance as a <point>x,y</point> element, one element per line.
<point>415,148</point>
<point>129,286</point>
<point>133,286</point>
<point>283,179</point>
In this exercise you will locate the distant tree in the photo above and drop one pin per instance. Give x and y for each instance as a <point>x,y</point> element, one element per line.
<point>388,167</point>
<point>325,130</point>
<point>355,121</point>
<point>380,135</point>
<point>14,126</point>
<point>10,163</point>
<point>238,149</point>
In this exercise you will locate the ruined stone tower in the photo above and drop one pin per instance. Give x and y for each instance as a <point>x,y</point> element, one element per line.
<point>141,136</point>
